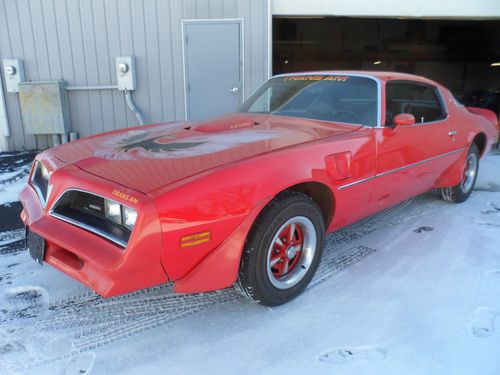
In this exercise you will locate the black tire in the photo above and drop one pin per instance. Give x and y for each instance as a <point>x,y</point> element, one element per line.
<point>256,272</point>
<point>461,192</point>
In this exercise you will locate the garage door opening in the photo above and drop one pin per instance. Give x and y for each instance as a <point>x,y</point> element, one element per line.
<point>457,53</point>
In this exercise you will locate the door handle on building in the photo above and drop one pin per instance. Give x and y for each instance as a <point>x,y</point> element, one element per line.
<point>234,90</point>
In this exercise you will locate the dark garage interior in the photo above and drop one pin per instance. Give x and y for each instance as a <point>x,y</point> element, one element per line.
<point>457,53</point>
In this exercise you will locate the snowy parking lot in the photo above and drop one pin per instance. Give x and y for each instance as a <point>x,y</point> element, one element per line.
<point>412,290</point>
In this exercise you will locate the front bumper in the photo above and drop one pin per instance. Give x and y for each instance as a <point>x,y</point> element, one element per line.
<point>102,265</point>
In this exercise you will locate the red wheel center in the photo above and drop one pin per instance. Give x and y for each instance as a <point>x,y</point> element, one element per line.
<point>287,249</point>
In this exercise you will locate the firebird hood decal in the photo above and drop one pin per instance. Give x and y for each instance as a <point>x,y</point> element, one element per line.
<point>149,144</point>
<point>148,158</point>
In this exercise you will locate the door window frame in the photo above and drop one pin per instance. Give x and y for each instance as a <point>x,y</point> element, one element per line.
<point>434,88</point>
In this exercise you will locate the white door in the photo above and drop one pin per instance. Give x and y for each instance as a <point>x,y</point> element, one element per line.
<point>213,67</point>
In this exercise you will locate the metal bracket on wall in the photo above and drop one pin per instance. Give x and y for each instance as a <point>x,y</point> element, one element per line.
<point>87,88</point>
<point>126,79</point>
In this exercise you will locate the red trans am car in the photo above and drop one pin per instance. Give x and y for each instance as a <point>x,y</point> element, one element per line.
<point>247,198</point>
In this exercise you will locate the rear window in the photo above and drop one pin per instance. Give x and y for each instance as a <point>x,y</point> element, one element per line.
<point>337,98</point>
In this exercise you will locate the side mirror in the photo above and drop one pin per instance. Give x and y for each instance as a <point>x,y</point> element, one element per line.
<point>404,119</point>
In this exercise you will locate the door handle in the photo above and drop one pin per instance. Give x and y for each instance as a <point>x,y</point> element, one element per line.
<point>234,90</point>
<point>452,133</point>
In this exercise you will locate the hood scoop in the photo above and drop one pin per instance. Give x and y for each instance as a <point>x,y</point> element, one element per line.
<point>221,126</point>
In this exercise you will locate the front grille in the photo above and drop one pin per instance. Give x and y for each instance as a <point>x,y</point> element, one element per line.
<point>87,211</point>
<point>87,203</point>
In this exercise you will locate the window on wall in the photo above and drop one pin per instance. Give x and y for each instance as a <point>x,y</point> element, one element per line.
<point>420,100</point>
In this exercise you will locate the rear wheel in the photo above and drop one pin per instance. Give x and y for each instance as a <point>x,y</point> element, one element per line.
<point>283,250</point>
<point>461,192</point>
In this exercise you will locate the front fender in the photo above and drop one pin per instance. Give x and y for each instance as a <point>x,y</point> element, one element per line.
<point>220,207</point>
<point>220,268</point>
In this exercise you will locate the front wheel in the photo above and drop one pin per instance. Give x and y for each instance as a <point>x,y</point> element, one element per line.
<point>461,192</point>
<point>283,250</point>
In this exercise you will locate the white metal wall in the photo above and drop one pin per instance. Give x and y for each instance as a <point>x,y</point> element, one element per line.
<point>4,121</point>
<point>78,40</point>
<point>466,9</point>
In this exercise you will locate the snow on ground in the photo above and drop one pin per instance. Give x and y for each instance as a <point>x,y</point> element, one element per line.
<point>412,290</point>
<point>14,169</point>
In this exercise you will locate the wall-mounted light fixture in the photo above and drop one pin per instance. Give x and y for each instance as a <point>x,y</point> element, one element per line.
<point>495,64</point>
<point>378,62</point>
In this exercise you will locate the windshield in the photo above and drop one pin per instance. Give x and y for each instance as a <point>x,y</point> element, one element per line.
<point>339,98</point>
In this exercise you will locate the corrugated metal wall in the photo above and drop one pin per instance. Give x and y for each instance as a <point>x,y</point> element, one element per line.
<point>78,40</point>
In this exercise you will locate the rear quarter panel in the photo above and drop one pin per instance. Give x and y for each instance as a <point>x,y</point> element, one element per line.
<point>472,123</point>
<point>468,125</point>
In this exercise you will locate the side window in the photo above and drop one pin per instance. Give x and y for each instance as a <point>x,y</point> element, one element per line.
<point>420,100</point>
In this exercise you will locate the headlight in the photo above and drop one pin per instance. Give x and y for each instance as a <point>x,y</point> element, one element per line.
<point>129,217</point>
<point>113,211</point>
<point>40,181</point>
<point>45,172</point>
<point>119,214</point>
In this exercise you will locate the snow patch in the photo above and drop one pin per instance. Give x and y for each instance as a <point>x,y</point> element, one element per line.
<point>13,181</point>
<point>10,192</point>
<point>424,228</point>
<point>59,346</point>
<point>349,354</point>
<point>23,303</point>
<point>80,364</point>
<point>484,324</point>
<point>11,236</point>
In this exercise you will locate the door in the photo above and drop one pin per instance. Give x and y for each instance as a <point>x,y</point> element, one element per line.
<point>213,67</point>
<point>411,158</point>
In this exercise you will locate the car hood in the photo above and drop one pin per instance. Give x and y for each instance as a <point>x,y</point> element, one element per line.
<point>150,157</point>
